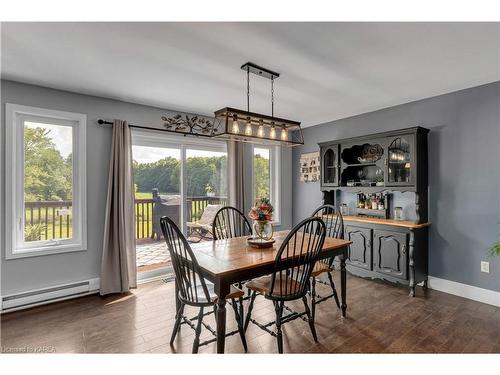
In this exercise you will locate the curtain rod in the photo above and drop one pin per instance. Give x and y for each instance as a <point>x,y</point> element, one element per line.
<point>104,122</point>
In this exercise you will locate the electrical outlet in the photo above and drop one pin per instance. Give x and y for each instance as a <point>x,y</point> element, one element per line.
<point>485,267</point>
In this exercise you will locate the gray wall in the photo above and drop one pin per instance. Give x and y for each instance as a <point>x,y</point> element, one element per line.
<point>36,272</point>
<point>464,175</point>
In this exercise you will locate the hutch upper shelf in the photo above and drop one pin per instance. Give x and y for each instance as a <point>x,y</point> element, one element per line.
<point>395,160</point>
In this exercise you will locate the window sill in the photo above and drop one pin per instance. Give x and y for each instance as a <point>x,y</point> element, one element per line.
<point>41,251</point>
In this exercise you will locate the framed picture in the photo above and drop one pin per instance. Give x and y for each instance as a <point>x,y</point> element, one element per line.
<point>309,167</point>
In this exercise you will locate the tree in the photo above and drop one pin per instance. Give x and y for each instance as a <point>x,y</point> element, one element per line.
<point>47,175</point>
<point>262,179</point>
<point>206,170</point>
<point>164,175</point>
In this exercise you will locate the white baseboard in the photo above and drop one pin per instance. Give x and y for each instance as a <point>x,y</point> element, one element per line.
<point>490,297</point>
<point>32,298</point>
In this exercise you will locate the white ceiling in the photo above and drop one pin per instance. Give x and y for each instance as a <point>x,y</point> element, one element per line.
<point>329,70</point>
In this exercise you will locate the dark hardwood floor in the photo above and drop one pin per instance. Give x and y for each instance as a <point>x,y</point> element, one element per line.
<point>381,319</point>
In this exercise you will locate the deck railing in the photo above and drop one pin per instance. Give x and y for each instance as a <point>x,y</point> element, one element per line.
<point>47,220</point>
<point>52,220</point>
<point>144,212</point>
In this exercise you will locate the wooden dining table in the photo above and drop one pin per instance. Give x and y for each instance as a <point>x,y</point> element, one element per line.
<point>230,261</point>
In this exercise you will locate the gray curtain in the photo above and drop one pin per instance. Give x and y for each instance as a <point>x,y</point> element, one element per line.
<point>118,267</point>
<point>235,163</point>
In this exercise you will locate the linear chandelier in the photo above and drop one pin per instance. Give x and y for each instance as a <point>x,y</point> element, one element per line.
<point>255,127</point>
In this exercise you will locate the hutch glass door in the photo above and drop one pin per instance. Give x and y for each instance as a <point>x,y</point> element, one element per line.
<point>401,161</point>
<point>329,174</point>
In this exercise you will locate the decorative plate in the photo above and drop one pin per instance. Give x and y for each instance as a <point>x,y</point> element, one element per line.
<point>370,153</point>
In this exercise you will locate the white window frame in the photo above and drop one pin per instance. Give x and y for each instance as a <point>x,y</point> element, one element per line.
<point>14,162</point>
<point>274,177</point>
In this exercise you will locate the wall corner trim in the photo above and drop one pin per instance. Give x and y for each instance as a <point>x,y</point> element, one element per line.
<point>490,297</point>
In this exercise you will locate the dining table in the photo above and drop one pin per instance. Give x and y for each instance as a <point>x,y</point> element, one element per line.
<point>231,261</point>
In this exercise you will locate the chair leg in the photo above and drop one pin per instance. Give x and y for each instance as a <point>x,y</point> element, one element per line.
<point>241,311</point>
<point>278,306</point>
<point>313,297</point>
<point>239,319</point>
<point>177,325</point>
<point>196,342</point>
<point>335,295</point>
<point>250,308</point>
<point>311,319</point>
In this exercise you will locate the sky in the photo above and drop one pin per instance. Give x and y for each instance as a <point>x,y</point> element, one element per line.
<point>146,154</point>
<point>61,136</point>
<point>263,152</point>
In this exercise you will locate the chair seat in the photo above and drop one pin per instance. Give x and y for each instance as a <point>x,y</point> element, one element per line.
<point>263,286</point>
<point>320,268</point>
<point>234,292</point>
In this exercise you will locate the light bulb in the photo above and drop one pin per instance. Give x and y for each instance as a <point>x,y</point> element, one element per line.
<point>236,126</point>
<point>260,130</point>
<point>248,127</point>
<point>284,134</point>
<point>272,132</point>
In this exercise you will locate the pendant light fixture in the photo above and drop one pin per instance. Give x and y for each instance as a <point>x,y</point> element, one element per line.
<point>237,124</point>
<point>254,127</point>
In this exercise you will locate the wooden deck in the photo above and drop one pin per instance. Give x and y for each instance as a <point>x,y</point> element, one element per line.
<point>151,254</point>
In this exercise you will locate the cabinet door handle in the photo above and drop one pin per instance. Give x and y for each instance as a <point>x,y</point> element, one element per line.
<point>404,250</point>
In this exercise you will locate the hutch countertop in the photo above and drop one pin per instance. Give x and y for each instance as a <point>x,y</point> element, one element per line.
<point>391,222</point>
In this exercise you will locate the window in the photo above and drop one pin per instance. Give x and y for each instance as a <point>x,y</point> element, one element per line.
<point>46,179</point>
<point>266,176</point>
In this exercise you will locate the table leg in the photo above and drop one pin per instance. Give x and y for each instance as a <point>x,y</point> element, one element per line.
<point>343,282</point>
<point>221,324</point>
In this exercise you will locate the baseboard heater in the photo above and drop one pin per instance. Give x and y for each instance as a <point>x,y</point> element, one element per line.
<point>38,297</point>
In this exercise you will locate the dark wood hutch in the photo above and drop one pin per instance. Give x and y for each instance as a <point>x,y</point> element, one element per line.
<point>376,166</point>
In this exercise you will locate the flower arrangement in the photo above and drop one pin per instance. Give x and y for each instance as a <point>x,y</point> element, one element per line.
<point>262,211</point>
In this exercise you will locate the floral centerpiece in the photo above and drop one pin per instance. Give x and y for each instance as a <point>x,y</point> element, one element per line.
<point>262,214</point>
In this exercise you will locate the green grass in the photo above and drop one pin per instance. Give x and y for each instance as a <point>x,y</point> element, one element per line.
<point>141,195</point>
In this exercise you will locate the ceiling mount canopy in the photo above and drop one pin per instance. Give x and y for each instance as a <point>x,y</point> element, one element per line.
<point>255,127</point>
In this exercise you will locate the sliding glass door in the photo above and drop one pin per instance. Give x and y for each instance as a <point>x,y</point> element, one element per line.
<point>206,189</point>
<point>157,179</point>
<point>183,179</point>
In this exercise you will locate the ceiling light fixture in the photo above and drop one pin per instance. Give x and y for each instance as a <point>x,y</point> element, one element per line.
<point>259,128</point>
